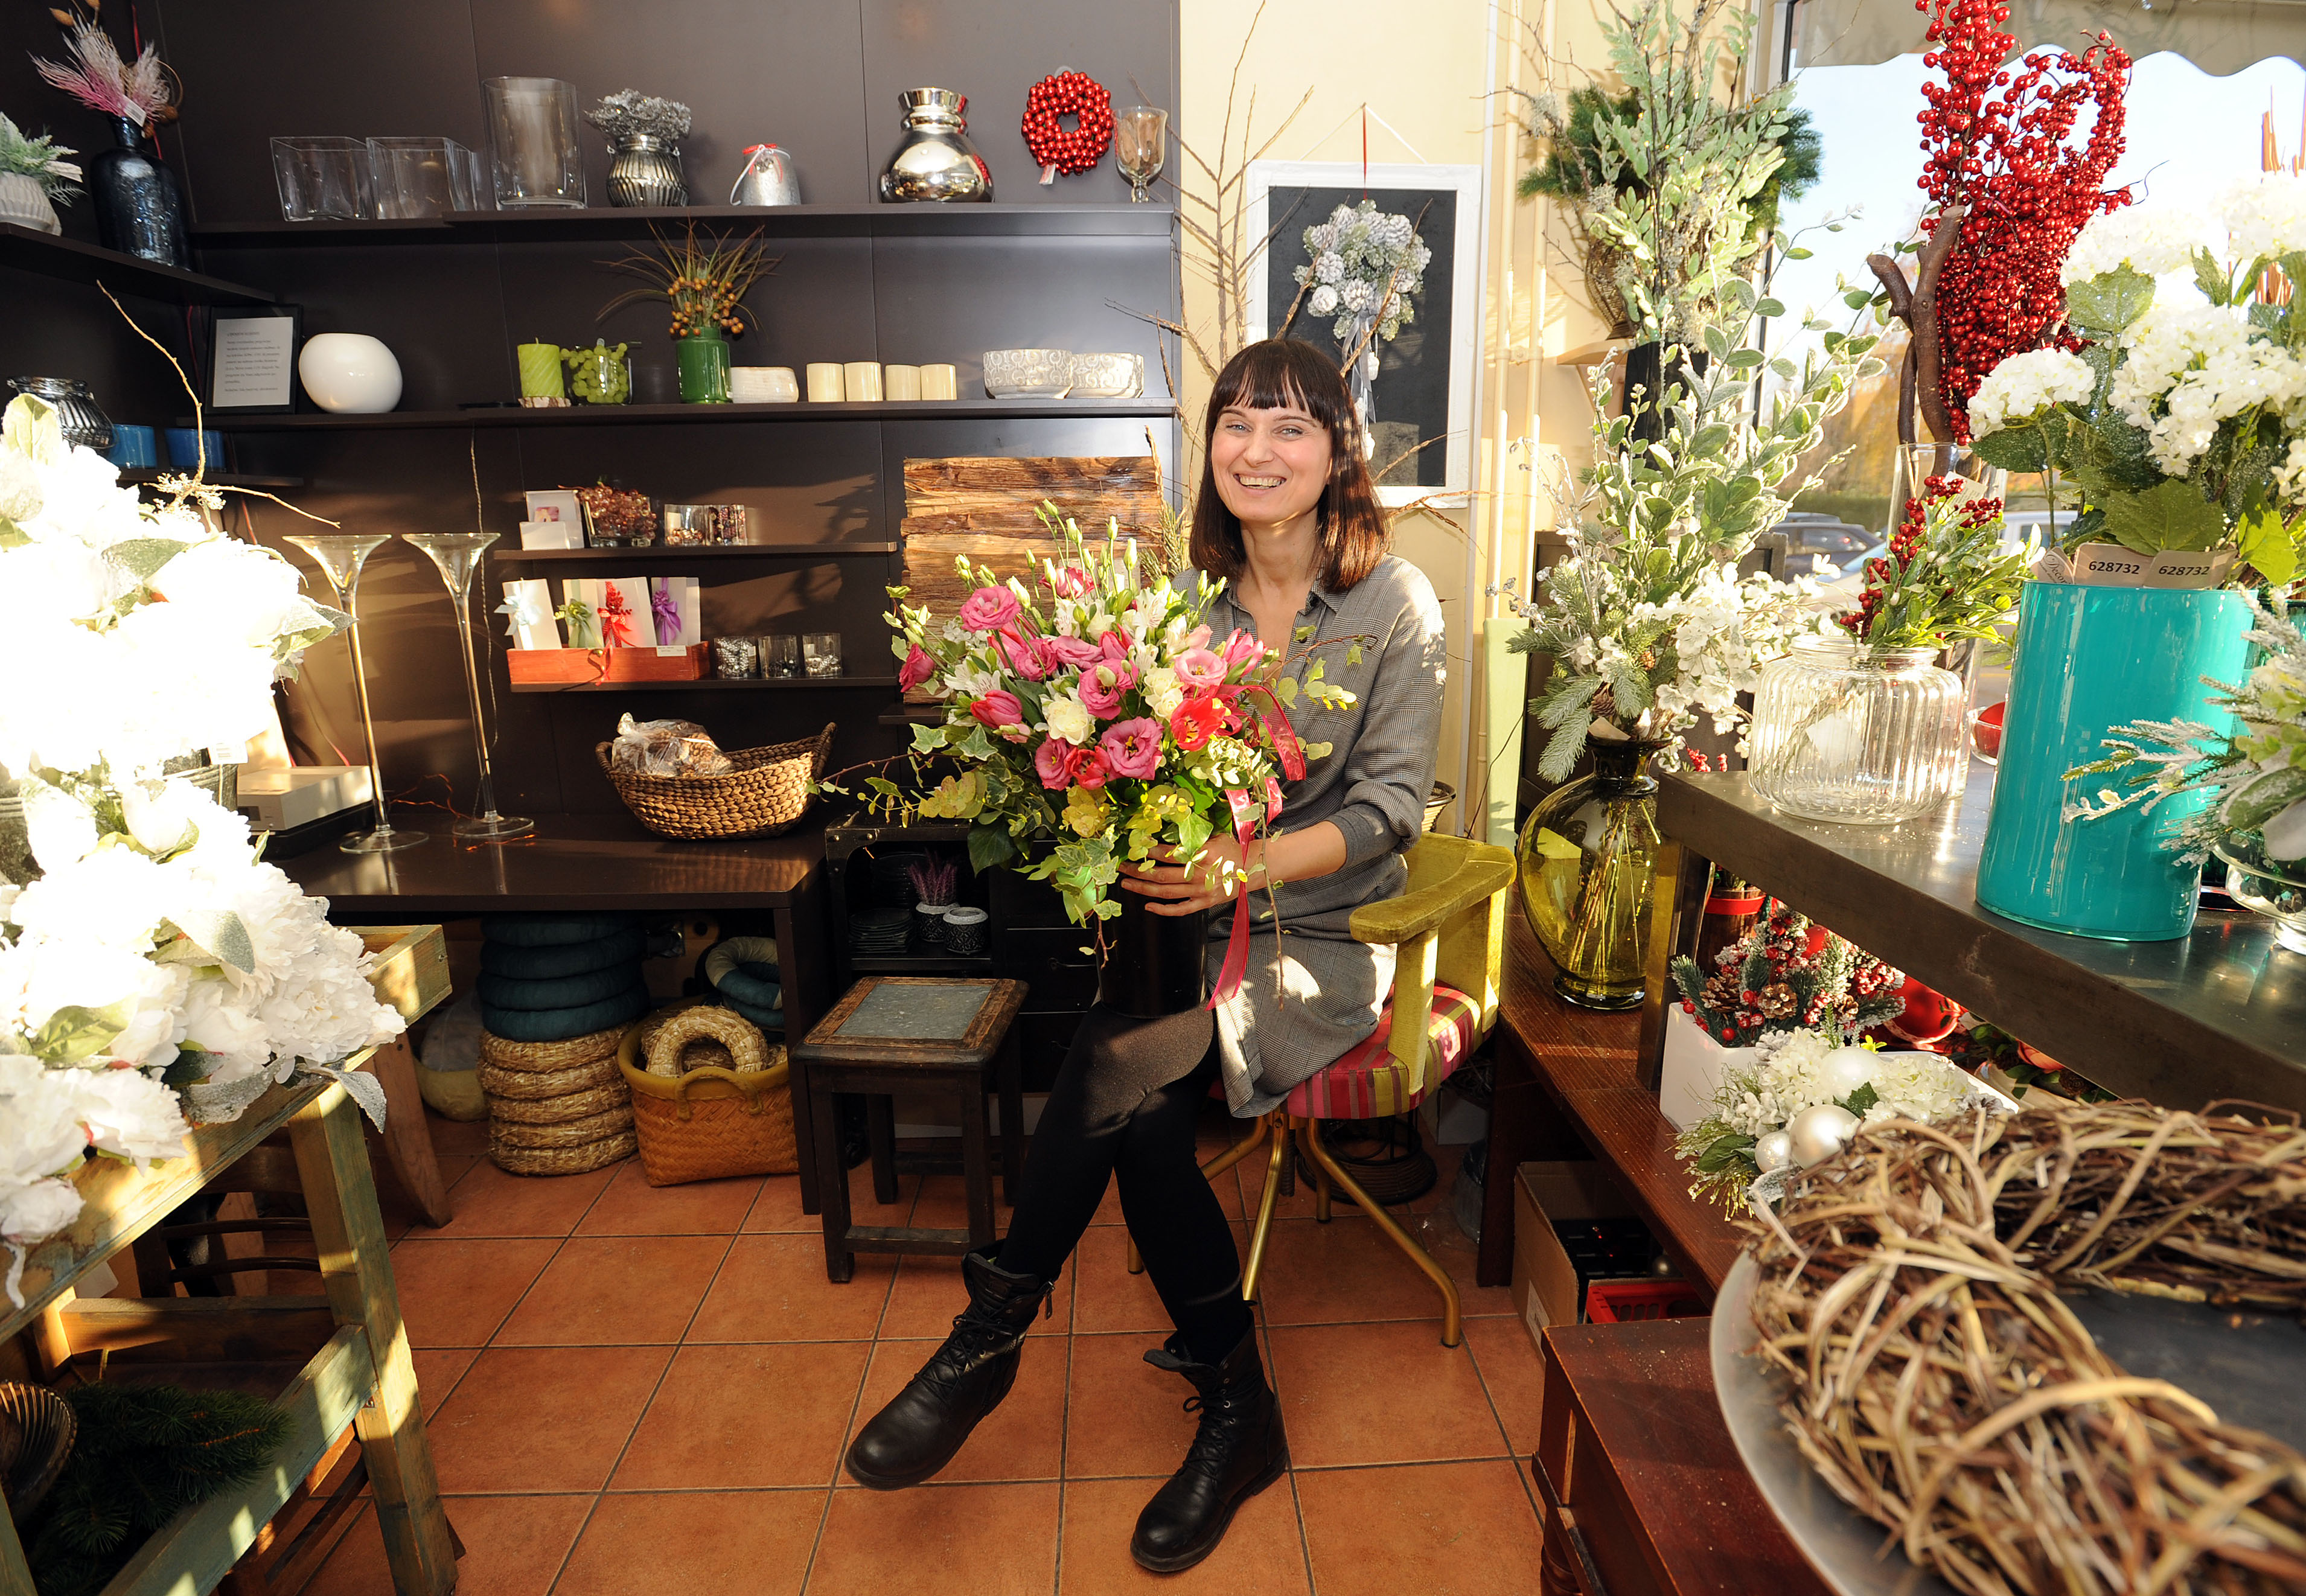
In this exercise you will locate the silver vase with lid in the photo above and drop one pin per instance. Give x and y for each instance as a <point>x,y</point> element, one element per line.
<point>936,161</point>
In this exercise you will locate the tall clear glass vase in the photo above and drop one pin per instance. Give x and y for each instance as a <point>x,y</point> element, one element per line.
<point>457,554</point>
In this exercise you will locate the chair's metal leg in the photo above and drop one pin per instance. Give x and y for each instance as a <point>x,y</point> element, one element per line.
<point>1320,1192</point>
<point>1265,1214</point>
<point>1453,1317</point>
<point>1215,1167</point>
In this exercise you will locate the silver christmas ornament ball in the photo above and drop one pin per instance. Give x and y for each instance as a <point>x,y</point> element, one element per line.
<point>1817,1133</point>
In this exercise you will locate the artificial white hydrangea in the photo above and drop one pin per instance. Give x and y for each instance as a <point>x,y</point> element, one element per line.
<point>2151,239</point>
<point>2025,385</point>
<point>2266,215</point>
<point>2188,366</point>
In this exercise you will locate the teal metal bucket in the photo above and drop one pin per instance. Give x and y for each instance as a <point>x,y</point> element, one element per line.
<point>2088,659</point>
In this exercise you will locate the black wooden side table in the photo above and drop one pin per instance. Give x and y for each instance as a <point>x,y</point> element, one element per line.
<point>932,1036</point>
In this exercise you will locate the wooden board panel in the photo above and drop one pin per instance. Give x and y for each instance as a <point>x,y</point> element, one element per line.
<point>986,508</point>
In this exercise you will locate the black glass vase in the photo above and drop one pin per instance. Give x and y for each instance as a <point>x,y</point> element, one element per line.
<point>1645,369</point>
<point>1153,963</point>
<point>139,209</point>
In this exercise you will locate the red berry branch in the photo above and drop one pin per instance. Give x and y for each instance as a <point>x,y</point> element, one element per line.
<point>2007,195</point>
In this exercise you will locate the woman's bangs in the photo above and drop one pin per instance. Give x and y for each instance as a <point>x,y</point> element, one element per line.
<point>1263,379</point>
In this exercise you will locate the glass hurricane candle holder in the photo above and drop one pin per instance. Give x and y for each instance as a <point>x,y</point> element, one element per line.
<point>341,555</point>
<point>456,555</point>
<point>820,651</point>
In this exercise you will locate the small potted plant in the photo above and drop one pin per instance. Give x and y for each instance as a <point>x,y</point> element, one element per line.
<point>644,134</point>
<point>705,285</point>
<point>35,178</point>
<point>934,881</point>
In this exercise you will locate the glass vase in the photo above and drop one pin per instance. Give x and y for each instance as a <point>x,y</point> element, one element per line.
<point>533,150</point>
<point>456,555</point>
<point>140,206</point>
<point>1864,736</point>
<point>704,370</point>
<point>2275,888</point>
<point>1588,863</point>
<point>1914,464</point>
<point>341,555</point>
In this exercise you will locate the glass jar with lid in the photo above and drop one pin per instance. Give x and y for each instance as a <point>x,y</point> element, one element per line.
<point>1865,735</point>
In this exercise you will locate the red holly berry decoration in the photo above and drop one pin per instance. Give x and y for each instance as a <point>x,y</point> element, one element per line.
<point>1996,142</point>
<point>1068,149</point>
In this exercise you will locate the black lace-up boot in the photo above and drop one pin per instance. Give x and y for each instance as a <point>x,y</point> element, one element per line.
<point>919,1432</point>
<point>1239,1451</point>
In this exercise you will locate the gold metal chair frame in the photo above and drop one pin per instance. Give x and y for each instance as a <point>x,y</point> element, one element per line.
<point>1449,928</point>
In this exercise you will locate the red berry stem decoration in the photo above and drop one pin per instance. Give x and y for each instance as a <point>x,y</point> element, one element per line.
<point>1068,149</point>
<point>2007,194</point>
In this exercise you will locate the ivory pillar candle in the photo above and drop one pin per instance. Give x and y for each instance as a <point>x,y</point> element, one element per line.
<point>825,385</point>
<point>540,371</point>
<point>901,383</point>
<point>862,379</point>
<point>940,383</point>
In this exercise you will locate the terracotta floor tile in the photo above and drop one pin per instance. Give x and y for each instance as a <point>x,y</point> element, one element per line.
<point>616,1291</point>
<point>1439,1235</point>
<point>1340,1272</point>
<point>543,1418</point>
<point>457,1139</point>
<point>1459,1529</point>
<point>438,1371</point>
<point>1298,1204</point>
<point>1381,1392</point>
<point>456,1293</point>
<point>513,1547</point>
<point>696,1543</point>
<point>757,1414</point>
<point>942,1203</point>
<point>778,1207</point>
<point>773,1288</point>
<point>1515,1375</point>
<point>929,1292</point>
<point>489,1202</point>
<point>1108,1297</point>
<point>631,1206</point>
<point>1020,1440</point>
<point>1124,1416</point>
<point>1262,1553</point>
<point>988,1540</point>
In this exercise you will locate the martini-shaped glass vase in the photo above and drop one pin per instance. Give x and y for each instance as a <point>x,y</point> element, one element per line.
<point>341,555</point>
<point>457,554</point>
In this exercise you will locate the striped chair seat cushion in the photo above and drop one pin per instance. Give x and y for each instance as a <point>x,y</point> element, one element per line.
<point>1368,1082</point>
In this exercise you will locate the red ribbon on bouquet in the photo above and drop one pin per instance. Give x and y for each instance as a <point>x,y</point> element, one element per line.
<point>1244,825</point>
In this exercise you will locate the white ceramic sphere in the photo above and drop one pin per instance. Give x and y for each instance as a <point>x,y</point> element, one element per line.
<point>1773,1150</point>
<point>1849,1068</point>
<point>1816,1134</point>
<point>350,373</point>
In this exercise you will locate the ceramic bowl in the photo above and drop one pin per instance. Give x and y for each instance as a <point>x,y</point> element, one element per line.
<point>1028,373</point>
<point>350,373</point>
<point>1108,376</point>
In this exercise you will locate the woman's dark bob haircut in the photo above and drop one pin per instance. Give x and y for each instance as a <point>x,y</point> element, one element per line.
<point>1272,375</point>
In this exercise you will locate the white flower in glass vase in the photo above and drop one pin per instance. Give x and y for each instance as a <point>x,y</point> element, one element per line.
<point>2265,217</point>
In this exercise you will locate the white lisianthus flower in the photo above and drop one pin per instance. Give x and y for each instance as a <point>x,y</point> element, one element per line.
<point>2025,385</point>
<point>1163,692</point>
<point>1068,718</point>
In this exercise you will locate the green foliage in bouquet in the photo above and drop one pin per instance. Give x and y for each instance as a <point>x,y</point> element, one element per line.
<point>144,1454</point>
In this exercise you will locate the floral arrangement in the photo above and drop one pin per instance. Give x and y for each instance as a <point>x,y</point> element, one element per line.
<point>1647,621</point>
<point>1786,974</point>
<point>1097,718</point>
<point>42,159</point>
<point>2176,404</point>
<point>1946,574</point>
<point>138,92</point>
<point>2256,777</point>
<point>154,966</point>
<point>629,114</point>
<point>1365,266</point>
<point>2007,193</point>
<point>705,285</point>
<point>1800,1100</point>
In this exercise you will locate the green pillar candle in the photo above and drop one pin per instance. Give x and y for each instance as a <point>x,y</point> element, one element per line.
<point>540,371</point>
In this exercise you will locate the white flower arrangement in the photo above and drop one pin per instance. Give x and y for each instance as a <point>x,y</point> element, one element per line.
<point>2025,385</point>
<point>154,955</point>
<point>1365,263</point>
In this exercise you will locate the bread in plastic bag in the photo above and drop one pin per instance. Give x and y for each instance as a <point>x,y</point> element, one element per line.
<point>666,748</point>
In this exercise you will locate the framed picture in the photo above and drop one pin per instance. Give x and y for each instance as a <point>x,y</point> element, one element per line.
<point>1422,417</point>
<point>252,358</point>
<point>558,506</point>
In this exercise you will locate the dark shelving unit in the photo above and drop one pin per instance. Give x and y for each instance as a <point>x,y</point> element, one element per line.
<point>144,476</point>
<point>1053,221</point>
<point>69,259</point>
<point>658,552</point>
<point>626,415</point>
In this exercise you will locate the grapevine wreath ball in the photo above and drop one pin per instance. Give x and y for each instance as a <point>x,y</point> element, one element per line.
<point>1058,149</point>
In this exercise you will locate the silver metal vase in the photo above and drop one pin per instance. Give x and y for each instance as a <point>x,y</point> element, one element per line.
<point>935,160</point>
<point>646,170</point>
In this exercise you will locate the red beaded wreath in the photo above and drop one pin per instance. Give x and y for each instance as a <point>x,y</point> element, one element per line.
<point>1073,149</point>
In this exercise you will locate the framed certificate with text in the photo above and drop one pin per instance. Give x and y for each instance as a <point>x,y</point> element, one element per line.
<point>251,358</point>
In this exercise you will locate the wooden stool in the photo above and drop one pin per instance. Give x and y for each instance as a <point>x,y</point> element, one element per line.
<point>926,1036</point>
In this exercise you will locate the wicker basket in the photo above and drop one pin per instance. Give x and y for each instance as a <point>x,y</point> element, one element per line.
<point>580,1159</point>
<point>767,793</point>
<point>710,1123</point>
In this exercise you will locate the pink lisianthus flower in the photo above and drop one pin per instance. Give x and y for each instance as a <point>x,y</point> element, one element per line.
<point>1071,582</point>
<point>998,709</point>
<point>1049,765</point>
<point>1102,685</point>
<point>1025,654</point>
<point>1087,767</point>
<point>1199,667</point>
<point>917,669</point>
<point>1076,652</point>
<point>1133,747</point>
<point>988,609</point>
<point>1242,647</point>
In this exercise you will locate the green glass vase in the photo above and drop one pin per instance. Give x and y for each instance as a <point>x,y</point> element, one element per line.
<point>1588,860</point>
<point>704,370</point>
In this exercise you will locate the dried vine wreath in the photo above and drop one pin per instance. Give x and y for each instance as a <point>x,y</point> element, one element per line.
<point>1909,1291</point>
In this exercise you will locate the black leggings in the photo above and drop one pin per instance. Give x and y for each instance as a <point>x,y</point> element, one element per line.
<point>1124,1105</point>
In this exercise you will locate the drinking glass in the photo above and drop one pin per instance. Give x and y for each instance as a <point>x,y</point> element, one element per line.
<point>780,655</point>
<point>1141,143</point>
<point>821,653</point>
<point>341,555</point>
<point>533,144</point>
<point>323,179</point>
<point>457,554</point>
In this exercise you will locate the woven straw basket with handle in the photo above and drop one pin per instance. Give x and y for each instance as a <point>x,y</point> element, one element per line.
<point>767,793</point>
<point>707,1124</point>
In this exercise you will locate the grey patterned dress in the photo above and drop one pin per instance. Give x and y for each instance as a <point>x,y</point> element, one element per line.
<point>1313,991</point>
